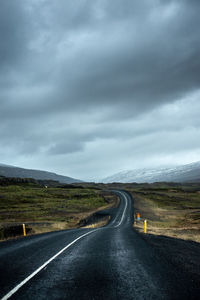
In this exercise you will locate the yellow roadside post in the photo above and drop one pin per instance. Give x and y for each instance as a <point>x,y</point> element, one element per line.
<point>24,229</point>
<point>145,226</point>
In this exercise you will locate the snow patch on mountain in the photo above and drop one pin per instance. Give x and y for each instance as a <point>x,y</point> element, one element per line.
<point>189,172</point>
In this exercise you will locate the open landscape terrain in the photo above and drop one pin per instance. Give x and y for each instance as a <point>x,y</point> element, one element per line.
<point>46,207</point>
<point>100,263</point>
<point>170,209</point>
<point>172,239</point>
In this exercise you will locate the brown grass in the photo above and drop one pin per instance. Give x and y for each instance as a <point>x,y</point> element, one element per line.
<point>179,219</point>
<point>101,223</point>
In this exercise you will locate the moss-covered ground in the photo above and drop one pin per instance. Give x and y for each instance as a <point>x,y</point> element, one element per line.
<point>46,209</point>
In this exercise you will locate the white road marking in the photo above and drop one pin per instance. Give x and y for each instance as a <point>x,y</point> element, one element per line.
<point>15,289</point>
<point>126,203</point>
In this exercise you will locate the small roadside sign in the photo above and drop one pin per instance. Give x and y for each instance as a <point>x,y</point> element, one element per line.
<point>138,216</point>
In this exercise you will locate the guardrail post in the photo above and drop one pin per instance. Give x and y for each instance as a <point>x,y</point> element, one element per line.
<point>24,229</point>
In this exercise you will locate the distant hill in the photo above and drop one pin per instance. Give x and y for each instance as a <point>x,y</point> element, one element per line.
<point>11,171</point>
<point>185,173</point>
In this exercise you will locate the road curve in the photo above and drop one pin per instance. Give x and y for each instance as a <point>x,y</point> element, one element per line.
<point>112,262</point>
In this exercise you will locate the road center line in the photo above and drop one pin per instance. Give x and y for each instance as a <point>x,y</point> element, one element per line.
<point>15,289</point>
<point>126,203</point>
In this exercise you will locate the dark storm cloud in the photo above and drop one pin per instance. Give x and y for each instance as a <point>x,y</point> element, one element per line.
<point>13,32</point>
<point>77,74</point>
<point>157,65</point>
<point>144,55</point>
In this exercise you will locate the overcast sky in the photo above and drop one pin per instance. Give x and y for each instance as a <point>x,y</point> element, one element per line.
<point>92,87</point>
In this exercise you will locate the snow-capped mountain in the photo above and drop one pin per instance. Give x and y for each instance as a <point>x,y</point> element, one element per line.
<point>185,173</point>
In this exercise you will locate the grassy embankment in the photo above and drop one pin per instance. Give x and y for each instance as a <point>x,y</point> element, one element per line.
<point>170,209</point>
<point>47,209</point>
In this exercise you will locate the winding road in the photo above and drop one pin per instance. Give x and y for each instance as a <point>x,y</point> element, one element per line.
<point>112,262</point>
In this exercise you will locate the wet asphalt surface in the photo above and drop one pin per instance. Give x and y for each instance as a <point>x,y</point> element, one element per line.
<point>112,262</point>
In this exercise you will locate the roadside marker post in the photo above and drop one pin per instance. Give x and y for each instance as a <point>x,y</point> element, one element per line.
<point>24,229</point>
<point>138,216</point>
<point>145,226</point>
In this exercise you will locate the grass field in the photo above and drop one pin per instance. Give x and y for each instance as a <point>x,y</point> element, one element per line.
<point>170,209</point>
<point>46,209</point>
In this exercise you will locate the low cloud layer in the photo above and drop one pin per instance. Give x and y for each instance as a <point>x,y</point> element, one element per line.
<point>89,88</point>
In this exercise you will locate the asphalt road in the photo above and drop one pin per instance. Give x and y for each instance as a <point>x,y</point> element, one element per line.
<point>112,262</point>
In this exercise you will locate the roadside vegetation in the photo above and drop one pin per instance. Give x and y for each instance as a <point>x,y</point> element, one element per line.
<point>47,207</point>
<point>173,223</point>
<point>171,211</point>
